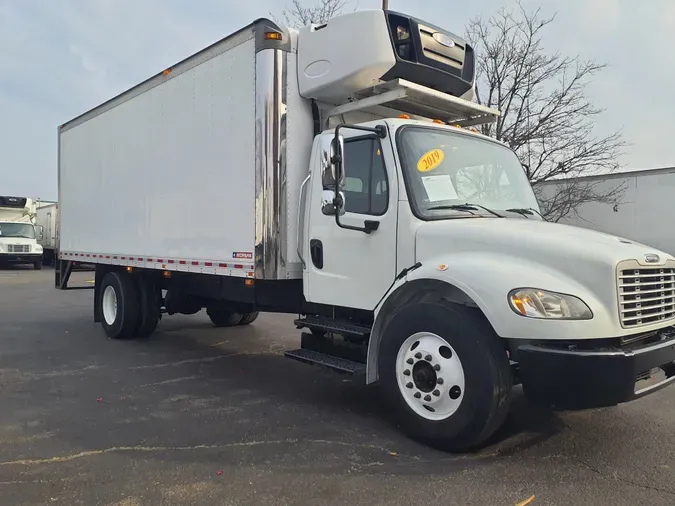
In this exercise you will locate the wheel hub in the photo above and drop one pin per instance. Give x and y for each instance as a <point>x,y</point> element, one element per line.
<point>424,376</point>
<point>430,376</point>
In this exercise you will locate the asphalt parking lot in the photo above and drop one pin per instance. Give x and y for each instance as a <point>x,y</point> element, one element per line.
<point>197,415</point>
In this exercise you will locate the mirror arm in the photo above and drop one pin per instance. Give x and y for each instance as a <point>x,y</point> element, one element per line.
<point>381,132</point>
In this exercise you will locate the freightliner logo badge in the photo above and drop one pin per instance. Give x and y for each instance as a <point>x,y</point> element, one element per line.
<point>443,39</point>
<point>652,258</point>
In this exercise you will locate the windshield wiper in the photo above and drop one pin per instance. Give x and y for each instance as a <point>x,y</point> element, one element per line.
<point>466,207</point>
<point>526,212</point>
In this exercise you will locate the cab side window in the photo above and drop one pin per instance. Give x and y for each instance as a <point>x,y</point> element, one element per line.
<point>366,186</point>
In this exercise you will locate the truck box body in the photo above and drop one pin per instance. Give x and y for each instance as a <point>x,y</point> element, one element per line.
<point>640,213</point>
<point>175,172</point>
<point>46,218</point>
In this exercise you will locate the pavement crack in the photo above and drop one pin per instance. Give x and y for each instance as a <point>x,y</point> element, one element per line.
<point>187,361</point>
<point>168,382</point>
<point>154,449</point>
<point>624,480</point>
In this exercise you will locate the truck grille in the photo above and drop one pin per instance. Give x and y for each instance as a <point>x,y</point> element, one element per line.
<point>646,295</point>
<point>18,248</point>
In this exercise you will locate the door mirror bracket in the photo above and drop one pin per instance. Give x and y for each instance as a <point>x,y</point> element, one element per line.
<point>337,164</point>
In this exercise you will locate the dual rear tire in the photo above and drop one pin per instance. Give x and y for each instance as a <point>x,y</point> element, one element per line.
<point>224,317</point>
<point>129,306</point>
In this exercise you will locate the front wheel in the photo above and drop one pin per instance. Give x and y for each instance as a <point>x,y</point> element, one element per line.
<point>445,375</point>
<point>37,265</point>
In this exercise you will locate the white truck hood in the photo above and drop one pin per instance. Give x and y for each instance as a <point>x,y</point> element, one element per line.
<point>534,239</point>
<point>488,257</point>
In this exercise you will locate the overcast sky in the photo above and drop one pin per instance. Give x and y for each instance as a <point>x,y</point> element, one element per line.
<point>61,57</point>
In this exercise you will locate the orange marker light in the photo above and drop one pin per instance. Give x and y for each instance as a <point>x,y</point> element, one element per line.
<point>273,36</point>
<point>519,305</point>
<point>249,282</point>
<point>167,274</point>
<point>438,122</point>
<point>129,269</point>
<point>167,72</point>
<point>404,116</point>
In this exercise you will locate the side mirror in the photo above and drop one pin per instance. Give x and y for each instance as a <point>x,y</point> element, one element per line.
<point>328,203</point>
<point>39,232</point>
<point>330,165</point>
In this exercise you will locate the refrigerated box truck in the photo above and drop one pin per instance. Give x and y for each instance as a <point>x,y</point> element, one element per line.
<point>19,232</point>
<point>46,219</point>
<point>332,172</point>
<point>640,211</point>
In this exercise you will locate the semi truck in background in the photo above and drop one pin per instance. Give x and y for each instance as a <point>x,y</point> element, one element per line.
<point>339,178</point>
<point>19,232</point>
<point>640,211</point>
<point>46,219</point>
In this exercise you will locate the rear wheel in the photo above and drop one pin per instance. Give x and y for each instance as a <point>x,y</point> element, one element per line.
<point>249,318</point>
<point>118,305</point>
<point>223,317</point>
<point>445,375</point>
<point>149,301</point>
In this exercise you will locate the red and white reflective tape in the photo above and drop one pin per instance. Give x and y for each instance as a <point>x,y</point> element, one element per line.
<point>164,263</point>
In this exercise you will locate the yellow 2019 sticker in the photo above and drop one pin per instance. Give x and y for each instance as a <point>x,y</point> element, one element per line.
<point>430,160</point>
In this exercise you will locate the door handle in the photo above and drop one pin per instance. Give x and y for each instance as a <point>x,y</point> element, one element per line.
<point>316,252</point>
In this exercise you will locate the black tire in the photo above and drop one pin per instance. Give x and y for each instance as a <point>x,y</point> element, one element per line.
<point>126,317</point>
<point>487,373</point>
<point>37,265</point>
<point>149,301</point>
<point>248,318</point>
<point>222,317</point>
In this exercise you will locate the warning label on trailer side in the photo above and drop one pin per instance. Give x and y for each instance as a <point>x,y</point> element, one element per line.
<point>242,255</point>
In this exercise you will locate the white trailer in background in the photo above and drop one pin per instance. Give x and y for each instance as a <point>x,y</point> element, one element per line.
<point>642,212</point>
<point>46,219</point>
<point>327,172</point>
<point>18,232</point>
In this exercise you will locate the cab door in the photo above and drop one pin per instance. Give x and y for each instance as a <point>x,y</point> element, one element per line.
<point>346,267</point>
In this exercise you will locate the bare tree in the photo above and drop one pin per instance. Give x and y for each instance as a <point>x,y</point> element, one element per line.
<point>546,116</point>
<point>299,14</point>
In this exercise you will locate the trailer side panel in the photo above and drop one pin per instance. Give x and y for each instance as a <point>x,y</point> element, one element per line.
<point>167,176</point>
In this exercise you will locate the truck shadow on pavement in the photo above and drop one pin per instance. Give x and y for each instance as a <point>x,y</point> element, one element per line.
<point>241,369</point>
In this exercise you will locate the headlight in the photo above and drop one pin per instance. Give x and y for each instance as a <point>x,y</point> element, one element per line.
<point>38,248</point>
<point>535,303</point>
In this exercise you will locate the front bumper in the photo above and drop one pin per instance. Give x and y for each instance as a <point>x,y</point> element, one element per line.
<point>579,379</point>
<point>17,258</point>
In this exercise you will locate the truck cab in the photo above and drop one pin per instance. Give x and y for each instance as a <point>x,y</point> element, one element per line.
<point>19,233</point>
<point>414,217</point>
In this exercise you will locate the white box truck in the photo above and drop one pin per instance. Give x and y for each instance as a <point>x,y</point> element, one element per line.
<point>19,232</point>
<point>46,219</point>
<point>641,210</point>
<point>330,172</point>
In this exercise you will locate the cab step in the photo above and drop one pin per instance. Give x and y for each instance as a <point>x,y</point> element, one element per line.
<point>340,365</point>
<point>330,325</point>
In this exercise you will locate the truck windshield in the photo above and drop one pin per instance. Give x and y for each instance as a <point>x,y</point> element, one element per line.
<point>445,170</point>
<point>24,230</point>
